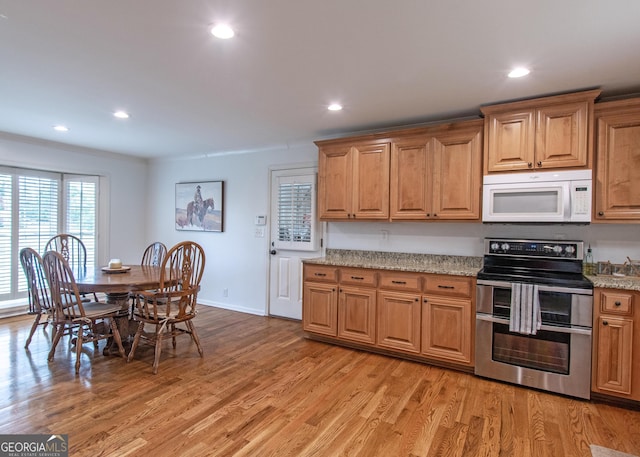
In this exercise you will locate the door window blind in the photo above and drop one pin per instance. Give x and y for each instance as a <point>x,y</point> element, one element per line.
<point>296,226</point>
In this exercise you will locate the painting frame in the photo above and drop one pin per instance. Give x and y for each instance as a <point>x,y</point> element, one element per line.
<point>199,206</point>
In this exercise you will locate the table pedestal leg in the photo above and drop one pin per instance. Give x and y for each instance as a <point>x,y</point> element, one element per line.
<point>126,326</point>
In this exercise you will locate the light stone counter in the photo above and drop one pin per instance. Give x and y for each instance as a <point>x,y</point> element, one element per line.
<point>612,282</point>
<point>421,263</point>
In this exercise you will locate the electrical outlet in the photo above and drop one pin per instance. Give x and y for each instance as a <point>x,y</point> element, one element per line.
<point>260,231</point>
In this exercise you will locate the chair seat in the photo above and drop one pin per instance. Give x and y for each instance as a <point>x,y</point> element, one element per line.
<point>93,309</point>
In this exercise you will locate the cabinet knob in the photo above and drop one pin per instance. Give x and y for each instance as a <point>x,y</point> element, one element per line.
<point>617,303</point>
<point>605,323</point>
<point>425,300</point>
<point>530,165</point>
<point>539,164</point>
<point>428,214</point>
<point>600,213</point>
<point>416,299</point>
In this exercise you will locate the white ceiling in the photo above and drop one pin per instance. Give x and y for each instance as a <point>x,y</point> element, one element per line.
<point>390,63</point>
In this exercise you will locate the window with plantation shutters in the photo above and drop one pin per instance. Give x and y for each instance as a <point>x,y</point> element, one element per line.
<point>34,206</point>
<point>80,203</point>
<point>296,213</point>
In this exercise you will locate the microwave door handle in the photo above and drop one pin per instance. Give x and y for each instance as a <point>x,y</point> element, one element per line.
<point>566,202</point>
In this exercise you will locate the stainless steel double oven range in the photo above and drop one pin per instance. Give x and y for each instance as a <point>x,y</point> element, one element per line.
<point>557,357</point>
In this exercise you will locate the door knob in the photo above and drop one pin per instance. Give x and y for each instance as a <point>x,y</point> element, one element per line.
<point>273,252</point>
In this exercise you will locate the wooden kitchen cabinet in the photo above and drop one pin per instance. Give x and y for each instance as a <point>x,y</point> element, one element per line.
<point>357,305</point>
<point>616,333</point>
<point>320,299</point>
<point>426,172</point>
<point>353,180</point>
<point>617,177</point>
<point>448,318</point>
<point>540,134</point>
<point>399,321</point>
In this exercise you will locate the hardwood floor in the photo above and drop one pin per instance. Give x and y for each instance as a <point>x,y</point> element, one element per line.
<point>263,390</point>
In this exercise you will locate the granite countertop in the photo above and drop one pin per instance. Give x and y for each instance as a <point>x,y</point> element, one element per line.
<point>613,282</point>
<point>420,263</point>
<point>439,264</point>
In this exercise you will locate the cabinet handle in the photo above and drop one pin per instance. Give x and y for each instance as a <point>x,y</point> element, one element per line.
<point>320,274</point>
<point>359,278</point>
<point>617,303</point>
<point>398,282</point>
<point>440,286</point>
<point>416,299</point>
<point>530,165</point>
<point>600,213</point>
<point>539,164</point>
<point>435,215</point>
<point>605,323</point>
<point>428,215</point>
<point>425,300</point>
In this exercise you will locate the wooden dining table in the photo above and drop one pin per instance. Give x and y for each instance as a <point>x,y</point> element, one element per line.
<point>117,285</point>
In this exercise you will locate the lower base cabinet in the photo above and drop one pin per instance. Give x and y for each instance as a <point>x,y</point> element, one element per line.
<point>616,343</point>
<point>422,316</point>
<point>399,321</point>
<point>445,328</point>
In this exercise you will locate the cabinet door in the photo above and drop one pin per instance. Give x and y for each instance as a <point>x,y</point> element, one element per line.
<point>357,314</point>
<point>334,182</point>
<point>370,198</point>
<point>511,141</point>
<point>399,321</point>
<point>614,354</point>
<point>320,308</point>
<point>446,329</point>
<point>457,173</point>
<point>411,179</point>
<point>561,136</point>
<point>617,187</point>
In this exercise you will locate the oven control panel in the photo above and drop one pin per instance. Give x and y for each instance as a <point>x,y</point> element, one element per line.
<point>535,248</point>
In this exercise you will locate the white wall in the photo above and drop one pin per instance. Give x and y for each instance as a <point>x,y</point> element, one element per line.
<point>235,259</point>
<point>123,187</point>
<point>612,242</point>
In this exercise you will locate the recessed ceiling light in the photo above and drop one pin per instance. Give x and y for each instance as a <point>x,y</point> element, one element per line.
<point>121,115</point>
<point>334,107</point>
<point>222,31</point>
<point>60,128</point>
<point>518,72</point>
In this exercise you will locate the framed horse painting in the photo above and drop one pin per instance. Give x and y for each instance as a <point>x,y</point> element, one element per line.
<point>200,206</point>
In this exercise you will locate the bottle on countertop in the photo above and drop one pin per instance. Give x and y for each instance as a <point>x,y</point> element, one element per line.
<point>588,267</point>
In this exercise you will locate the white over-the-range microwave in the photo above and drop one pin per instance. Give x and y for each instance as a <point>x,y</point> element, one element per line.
<point>545,197</point>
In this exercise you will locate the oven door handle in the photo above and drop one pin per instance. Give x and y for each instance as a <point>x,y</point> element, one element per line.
<point>541,287</point>
<point>548,328</point>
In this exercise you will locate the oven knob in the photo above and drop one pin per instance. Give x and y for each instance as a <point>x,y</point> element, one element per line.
<point>570,249</point>
<point>505,247</point>
<point>557,249</point>
<point>494,246</point>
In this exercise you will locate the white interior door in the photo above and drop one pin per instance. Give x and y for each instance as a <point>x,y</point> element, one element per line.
<point>295,235</point>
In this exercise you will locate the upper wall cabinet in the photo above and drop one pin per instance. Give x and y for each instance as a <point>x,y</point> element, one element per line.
<point>540,134</point>
<point>353,180</point>
<point>437,175</point>
<point>617,187</point>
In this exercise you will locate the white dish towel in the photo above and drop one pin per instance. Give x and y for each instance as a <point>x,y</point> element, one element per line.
<point>525,315</point>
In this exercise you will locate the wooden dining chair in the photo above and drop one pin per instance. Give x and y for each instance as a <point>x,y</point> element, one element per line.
<point>154,254</point>
<point>95,320</point>
<point>171,308</point>
<point>38,290</point>
<point>73,250</point>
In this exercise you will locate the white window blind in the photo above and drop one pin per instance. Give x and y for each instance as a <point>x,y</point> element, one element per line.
<point>80,203</point>
<point>5,233</point>
<point>296,213</point>
<point>34,206</point>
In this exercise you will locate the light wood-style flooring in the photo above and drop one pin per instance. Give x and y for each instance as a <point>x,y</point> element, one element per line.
<point>262,389</point>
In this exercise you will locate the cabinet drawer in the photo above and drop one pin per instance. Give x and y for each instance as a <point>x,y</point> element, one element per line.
<point>409,282</point>
<point>458,286</point>
<point>320,273</point>
<point>358,277</point>
<point>616,303</point>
